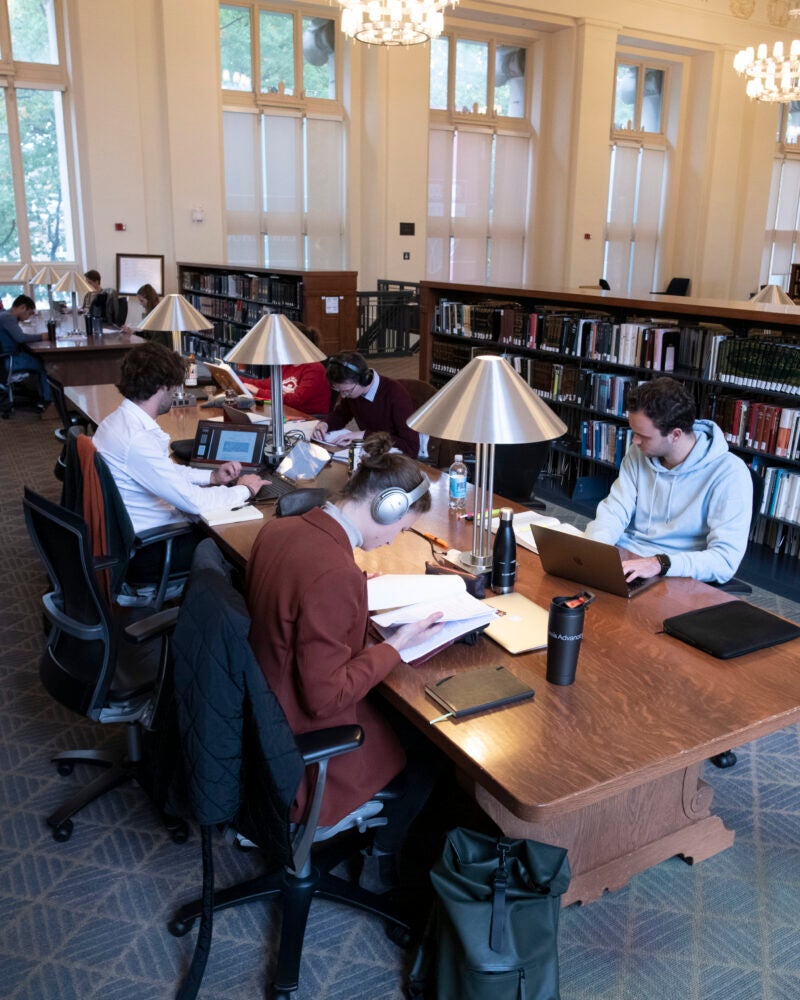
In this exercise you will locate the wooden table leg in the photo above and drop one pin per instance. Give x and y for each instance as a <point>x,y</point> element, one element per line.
<point>611,840</point>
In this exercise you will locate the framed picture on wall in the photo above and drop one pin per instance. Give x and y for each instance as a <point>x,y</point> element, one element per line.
<point>137,269</point>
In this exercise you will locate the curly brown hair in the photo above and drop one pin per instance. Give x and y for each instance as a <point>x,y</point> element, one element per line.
<point>147,368</point>
<point>666,402</point>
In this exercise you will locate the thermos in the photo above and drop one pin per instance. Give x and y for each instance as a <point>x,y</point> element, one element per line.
<point>504,557</point>
<point>564,635</point>
<point>51,331</point>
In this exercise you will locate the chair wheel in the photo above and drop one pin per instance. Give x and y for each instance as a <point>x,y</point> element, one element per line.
<point>399,935</point>
<point>178,927</point>
<point>65,768</point>
<point>63,832</point>
<point>723,760</point>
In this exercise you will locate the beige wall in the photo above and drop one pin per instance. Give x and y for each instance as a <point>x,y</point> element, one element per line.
<point>148,133</point>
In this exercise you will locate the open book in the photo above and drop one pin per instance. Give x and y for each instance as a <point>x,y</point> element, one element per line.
<point>523,520</point>
<point>462,613</point>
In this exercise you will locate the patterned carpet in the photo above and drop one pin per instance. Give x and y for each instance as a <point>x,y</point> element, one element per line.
<point>86,919</point>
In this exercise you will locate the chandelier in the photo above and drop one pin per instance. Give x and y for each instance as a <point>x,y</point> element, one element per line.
<point>393,22</point>
<point>770,78</point>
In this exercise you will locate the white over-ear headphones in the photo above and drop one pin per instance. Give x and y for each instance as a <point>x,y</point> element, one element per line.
<point>392,504</point>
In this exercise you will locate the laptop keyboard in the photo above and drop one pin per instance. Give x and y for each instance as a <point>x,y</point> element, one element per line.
<point>278,486</point>
<point>635,584</point>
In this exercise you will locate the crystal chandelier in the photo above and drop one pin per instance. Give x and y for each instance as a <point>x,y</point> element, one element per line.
<point>771,78</point>
<point>393,22</point>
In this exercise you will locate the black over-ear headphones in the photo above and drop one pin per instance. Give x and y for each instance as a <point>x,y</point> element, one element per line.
<point>392,504</point>
<point>363,375</point>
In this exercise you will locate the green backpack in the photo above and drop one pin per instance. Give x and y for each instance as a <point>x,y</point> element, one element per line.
<point>493,931</point>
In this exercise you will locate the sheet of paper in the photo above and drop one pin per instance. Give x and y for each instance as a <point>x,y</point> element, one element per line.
<point>222,515</point>
<point>394,590</point>
<point>456,608</point>
<point>333,436</point>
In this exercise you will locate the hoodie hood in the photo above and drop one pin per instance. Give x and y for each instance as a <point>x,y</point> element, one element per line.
<point>709,446</point>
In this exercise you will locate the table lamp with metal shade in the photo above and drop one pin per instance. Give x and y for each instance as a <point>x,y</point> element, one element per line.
<point>273,342</point>
<point>74,283</point>
<point>26,274</point>
<point>176,315</point>
<point>487,403</point>
<point>50,277</point>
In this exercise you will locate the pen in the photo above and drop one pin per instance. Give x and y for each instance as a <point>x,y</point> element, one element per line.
<point>431,538</point>
<point>471,515</point>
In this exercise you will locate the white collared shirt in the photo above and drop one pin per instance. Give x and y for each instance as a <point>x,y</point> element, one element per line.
<point>373,387</point>
<point>153,488</point>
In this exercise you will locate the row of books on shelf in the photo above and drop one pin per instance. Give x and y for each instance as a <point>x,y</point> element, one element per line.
<point>659,346</point>
<point>271,288</point>
<point>233,310</point>
<point>781,538</point>
<point>762,426</point>
<point>781,497</point>
<point>604,441</point>
<point>760,363</point>
<point>569,384</point>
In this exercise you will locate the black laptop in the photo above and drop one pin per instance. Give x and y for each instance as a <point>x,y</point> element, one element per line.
<point>217,442</point>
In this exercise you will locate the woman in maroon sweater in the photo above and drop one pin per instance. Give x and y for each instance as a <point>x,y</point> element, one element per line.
<point>375,402</point>
<point>305,387</point>
<point>308,604</point>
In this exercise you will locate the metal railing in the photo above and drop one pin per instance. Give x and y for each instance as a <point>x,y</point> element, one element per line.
<point>388,319</point>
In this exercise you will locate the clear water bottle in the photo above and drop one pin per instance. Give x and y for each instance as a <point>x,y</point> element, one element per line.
<point>458,484</point>
<point>504,555</point>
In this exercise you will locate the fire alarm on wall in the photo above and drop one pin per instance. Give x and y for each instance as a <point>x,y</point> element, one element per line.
<point>120,227</point>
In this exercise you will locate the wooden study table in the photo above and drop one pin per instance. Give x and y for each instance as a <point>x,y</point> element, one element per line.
<point>608,767</point>
<point>83,360</point>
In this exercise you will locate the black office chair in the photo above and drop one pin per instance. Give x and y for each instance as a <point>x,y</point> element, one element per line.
<point>93,664</point>
<point>677,286</point>
<point>69,418</point>
<point>243,766</point>
<point>129,588</point>
<point>7,381</point>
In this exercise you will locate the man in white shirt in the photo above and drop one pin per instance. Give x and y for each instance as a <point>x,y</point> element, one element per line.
<point>153,488</point>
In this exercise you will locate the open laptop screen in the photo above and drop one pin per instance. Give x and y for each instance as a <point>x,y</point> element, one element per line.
<point>216,442</point>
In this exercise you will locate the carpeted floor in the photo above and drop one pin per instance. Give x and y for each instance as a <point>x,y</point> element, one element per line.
<point>86,920</point>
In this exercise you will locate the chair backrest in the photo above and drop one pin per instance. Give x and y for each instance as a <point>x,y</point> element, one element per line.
<point>420,392</point>
<point>119,531</point>
<point>678,286</point>
<point>57,392</point>
<point>78,664</point>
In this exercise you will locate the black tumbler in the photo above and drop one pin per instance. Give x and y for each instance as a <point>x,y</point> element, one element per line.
<point>564,634</point>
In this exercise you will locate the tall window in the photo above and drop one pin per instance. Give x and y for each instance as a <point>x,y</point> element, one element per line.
<point>637,178</point>
<point>35,175</point>
<point>782,237</point>
<point>479,162</point>
<point>284,137</point>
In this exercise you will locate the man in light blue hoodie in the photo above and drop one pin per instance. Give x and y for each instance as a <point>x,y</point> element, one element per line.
<point>682,503</point>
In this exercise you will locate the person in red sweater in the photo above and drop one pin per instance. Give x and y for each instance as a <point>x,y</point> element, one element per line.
<point>307,599</point>
<point>305,387</point>
<point>375,402</point>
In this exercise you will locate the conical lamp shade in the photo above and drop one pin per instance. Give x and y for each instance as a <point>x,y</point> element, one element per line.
<point>773,295</point>
<point>72,282</point>
<point>274,340</point>
<point>488,403</point>
<point>48,276</point>
<point>26,273</point>
<point>174,312</point>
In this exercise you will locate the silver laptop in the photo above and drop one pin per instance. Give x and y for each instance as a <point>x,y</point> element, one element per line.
<point>520,626</point>
<point>594,564</point>
<point>217,442</point>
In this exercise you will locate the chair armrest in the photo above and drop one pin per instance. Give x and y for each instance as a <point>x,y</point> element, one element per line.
<point>104,562</point>
<point>147,628</point>
<point>152,535</point>
<point>326,743</point>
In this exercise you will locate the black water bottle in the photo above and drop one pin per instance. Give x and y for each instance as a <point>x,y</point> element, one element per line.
<point>504,557</point>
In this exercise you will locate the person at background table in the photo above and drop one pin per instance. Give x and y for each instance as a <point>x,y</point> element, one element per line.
<point>305,387</point>
<point>308,604</point>
<point>682,503</point>
<point>153,488</point>
<point>375,402</point>
<point>94,279</point>
<point>13,340</point>
<point>148,298</point>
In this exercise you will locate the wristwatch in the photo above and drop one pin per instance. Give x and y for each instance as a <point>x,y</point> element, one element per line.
<point>665,562</point>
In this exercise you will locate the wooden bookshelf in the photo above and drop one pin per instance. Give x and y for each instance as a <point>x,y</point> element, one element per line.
<point>581,350</point>
<point>236,297</point>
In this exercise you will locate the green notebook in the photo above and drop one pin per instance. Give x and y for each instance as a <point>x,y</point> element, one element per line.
<point>478,690</point>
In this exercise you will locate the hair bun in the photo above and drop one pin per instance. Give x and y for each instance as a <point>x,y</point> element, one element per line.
<point>375,447</point>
